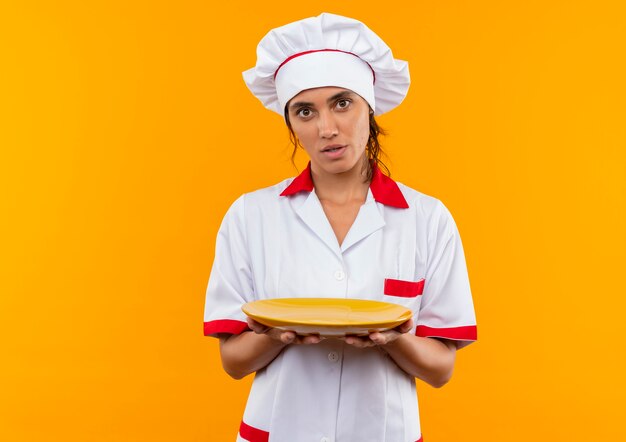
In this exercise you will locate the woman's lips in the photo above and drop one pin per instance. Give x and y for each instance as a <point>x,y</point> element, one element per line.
<point>334,151</point>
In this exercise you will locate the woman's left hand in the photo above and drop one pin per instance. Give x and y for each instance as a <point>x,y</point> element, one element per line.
<point>379,338</point>
<point>429,359</point>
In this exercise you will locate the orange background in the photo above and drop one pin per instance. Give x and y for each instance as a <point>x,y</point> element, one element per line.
<point>126,132</point>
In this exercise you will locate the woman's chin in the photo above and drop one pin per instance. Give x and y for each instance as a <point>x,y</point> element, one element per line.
<point>338,167</point>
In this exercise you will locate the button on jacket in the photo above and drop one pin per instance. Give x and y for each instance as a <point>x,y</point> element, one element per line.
<point>403,247</point>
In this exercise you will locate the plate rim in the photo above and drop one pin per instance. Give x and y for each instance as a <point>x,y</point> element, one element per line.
<point>275,322</point>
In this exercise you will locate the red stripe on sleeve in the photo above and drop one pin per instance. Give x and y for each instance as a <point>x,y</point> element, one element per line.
<point>465,333</point>
<point>225,326</point>
<point>252,434</point>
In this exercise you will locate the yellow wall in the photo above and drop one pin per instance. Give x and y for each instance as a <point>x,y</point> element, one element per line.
<point>126,131</point>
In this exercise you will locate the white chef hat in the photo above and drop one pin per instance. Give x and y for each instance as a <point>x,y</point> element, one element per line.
<point>327,50</point>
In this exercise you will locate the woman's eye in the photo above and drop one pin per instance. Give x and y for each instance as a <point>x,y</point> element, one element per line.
<point>304,113</point>
<point>342,104</point>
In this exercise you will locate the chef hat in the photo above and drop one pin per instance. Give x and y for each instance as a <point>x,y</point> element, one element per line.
<point>328,50</point>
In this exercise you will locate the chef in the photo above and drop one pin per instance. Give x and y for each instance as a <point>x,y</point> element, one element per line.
<point>340,229</point>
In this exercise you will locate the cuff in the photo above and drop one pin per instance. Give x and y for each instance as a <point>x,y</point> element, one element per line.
<point>467,334</point>
<point>229,326</point>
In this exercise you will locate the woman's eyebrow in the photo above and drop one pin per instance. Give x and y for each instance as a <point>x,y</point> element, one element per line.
<point>337,96</point>
<point>299,104</point>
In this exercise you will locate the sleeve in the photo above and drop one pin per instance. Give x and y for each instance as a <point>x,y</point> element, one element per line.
<point>230,283</point>
<point>446,309</point>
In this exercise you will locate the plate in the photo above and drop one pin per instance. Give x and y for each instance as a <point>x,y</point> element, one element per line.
<point>328,317</point>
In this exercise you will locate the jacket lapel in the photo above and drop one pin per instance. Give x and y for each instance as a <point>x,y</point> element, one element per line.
<point>312,214</point>
<point>368,220</point>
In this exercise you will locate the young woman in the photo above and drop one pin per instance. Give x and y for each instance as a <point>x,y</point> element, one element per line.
<point>342,228</point>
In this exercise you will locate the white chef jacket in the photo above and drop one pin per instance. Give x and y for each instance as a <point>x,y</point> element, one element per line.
<point>403,247</point>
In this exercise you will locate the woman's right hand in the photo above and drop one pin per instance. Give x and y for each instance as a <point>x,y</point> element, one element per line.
<point>252,350</point>
<point>286,337</point>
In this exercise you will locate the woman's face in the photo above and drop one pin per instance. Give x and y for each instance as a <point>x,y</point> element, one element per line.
<point>332,125</point>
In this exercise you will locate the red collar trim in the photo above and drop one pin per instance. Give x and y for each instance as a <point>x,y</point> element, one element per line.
<point>301,183</point>
<point>384,189</point>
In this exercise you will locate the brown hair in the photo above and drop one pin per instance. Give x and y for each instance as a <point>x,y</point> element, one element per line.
<point>373,149</point>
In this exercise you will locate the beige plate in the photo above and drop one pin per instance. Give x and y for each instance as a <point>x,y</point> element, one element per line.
<point>329,317</point>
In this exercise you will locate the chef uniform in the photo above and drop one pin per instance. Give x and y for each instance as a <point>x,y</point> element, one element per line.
<point>403,247</point>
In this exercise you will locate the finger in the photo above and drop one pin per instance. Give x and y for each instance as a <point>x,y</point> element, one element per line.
<point>312,339</point>
<point>287,337</point>
<point>350,340</point>
<point>405,326</point>
<point>359,342</point>
<point>257,327</point>
<point>378,338</point>
<point>251,323</point>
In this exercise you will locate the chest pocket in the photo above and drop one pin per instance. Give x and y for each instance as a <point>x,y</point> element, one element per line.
<point>403,289</point>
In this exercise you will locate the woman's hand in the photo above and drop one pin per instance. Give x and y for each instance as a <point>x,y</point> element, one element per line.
<point>254,349</point>
<point>429,359</point>
<point>379,338</point>
<point>286,337</point>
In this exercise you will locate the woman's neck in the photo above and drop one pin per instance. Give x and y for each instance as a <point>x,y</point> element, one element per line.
<point>341,188</point>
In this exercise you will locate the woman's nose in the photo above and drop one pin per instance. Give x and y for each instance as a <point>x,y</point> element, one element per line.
<point>327,125</point>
